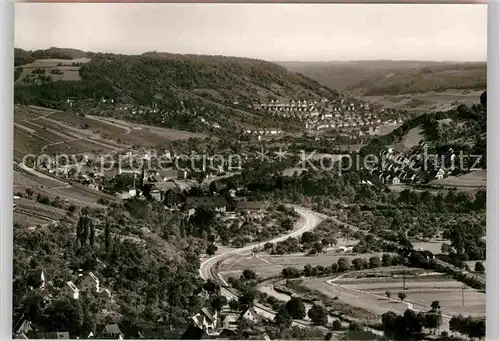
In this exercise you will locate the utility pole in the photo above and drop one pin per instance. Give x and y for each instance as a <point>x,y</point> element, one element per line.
<point>463,289</point>
<point>404,279</point>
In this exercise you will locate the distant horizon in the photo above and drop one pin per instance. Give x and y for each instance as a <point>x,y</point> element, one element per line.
<point>271,61</point>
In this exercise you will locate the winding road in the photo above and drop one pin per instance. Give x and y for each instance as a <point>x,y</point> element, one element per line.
<point>309,220</point>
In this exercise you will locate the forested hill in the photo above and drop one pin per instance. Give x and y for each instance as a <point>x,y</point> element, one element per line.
<point>166,79</point>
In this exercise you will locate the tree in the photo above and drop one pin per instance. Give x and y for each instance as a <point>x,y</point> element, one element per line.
<point>211,287</point>
<point>413,322</point>
<point>246,299</point>
<point>386,259</point>
<point>435,306</point>
<point>107,236</point>
<point>248,275</point>
<point>431,320</point>
<point>483,98</point>
<point>388,294</point>
<point>211,249</point>
<point>343,264</point>
<point>290,272</point>
<point>218,302</point>
<point>402,296</point>
<point>296,308</point>
<point>336,325</point>
<point>92,235</point>
<point>234,305</point>
<point>359,263</point>
<point>64,314</point>
<point>374,262</point>
<point>308,270</point>
<point>283,319</point>
<point>445,248</point>
<point>318,315</point>
<point>308,237</point>
<point>317,248</point>
<point>479,267</point>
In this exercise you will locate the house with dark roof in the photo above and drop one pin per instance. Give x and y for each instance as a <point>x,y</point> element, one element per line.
<point>251,206</point>
<point>218,204</point>
<point>112,331</point>
<point>22,327</point>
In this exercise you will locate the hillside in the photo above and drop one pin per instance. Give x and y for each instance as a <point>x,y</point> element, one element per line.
<point>392,77</point>
<point>440,77</point>
<point>223,88</point>
<point>440,148</point>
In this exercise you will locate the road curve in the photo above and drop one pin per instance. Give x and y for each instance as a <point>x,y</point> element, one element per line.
<point>309,220</point>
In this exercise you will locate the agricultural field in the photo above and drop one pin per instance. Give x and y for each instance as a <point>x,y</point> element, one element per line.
<point>432,246</point>
<point>425,102</point>
<point>388,128</point>
<point>30,213</point>
<point>422,290</point>
<point>472,181</point>
<point>39,130</point>
<point>268,266</point>
<point>409,140</point>
<point>58,69</point>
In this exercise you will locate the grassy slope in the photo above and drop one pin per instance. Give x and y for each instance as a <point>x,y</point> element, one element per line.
<point>393,77</point>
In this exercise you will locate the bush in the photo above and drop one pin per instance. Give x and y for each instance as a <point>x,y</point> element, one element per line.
<point>479,267</point>
<point>336,325</point>
<point>43,199</point>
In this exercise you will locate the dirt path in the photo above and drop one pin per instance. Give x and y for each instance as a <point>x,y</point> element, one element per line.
<point>109,121</point>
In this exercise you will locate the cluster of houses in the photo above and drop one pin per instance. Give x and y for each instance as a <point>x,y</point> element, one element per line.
<point>263,132</point>
<point>396,167</point>
<point>88,283</point>
<point>361,118</point>
<point>24,330</point>
<point>341,114</point>
<point>290,108</point>
<point>220,205</point>
<point>215,325</point>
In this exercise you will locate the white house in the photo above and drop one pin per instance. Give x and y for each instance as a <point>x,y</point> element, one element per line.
<point>206,321</point>
<point>251,315</point>
<point>90,283</point>
<point>440,174</point>
<point>71,290</point>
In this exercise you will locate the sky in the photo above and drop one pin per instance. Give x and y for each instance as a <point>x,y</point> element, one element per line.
<point>299,32</point>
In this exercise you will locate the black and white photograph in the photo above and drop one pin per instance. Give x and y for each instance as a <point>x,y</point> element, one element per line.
<point>249,171</point>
